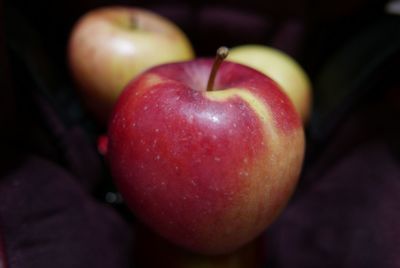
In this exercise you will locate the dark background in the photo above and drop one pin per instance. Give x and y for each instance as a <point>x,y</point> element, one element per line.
<point>56,205</point>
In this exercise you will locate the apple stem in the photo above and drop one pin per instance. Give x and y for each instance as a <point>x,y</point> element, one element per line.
<point>222,53</point>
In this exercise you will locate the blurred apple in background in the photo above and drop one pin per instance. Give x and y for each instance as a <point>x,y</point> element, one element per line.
<point>109,46</point>
<point>280,67</point>
<point>206,158</point>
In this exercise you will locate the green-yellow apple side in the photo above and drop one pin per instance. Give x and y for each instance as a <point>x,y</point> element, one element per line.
<point>207,166</point>
<point>109,46</point>
<point>280,67</point>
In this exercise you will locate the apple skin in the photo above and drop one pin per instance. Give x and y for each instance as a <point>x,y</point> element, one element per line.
<point>109,46</point>
<point>207,170</point>
<point>280,67</point>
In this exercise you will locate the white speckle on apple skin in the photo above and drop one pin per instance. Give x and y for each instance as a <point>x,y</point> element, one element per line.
<point>215,119</point>
<point>190,119</point>
<point>154,145</point>
<point>243,173</point>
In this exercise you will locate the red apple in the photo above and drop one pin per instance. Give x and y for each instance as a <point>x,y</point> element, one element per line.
<point>208,169</point>
<point>110,45</point>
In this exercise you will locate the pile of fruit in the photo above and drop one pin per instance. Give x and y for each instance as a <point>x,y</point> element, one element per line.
<point>206,152</point>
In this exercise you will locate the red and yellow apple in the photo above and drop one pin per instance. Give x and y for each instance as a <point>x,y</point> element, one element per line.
<point>280,67</point>
<point>208,166</point>
<point>109,46</point>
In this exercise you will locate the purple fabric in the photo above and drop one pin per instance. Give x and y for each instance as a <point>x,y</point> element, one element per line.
<point>350,218</point>
<point>48,220</point>
<point>346,210</point>
<point>212,26</point>
<point>76,150</point>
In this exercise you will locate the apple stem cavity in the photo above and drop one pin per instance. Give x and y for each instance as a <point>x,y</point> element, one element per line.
<point>222,53</point>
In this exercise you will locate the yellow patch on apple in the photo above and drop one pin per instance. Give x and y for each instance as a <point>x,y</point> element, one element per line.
<point>280,67</point>
<point>253,102</point>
